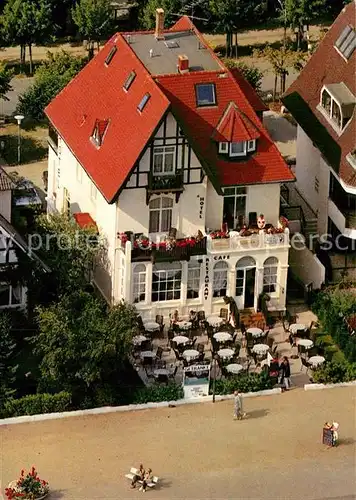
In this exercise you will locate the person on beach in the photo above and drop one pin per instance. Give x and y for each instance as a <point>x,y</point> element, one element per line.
<point>138,477</point>
<point>238,412</point>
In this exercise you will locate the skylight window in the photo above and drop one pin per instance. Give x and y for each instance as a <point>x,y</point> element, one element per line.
<point>205,93</point>
<point>143,102</point>
<point>129,80</point>
<point>346,43</point>
<point>110,55</point>
<point>173,44</point>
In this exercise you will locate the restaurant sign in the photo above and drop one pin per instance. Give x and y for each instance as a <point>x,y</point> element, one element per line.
<point>196,381</point>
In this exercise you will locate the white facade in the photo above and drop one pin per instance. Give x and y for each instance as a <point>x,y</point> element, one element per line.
<point>197,208</point>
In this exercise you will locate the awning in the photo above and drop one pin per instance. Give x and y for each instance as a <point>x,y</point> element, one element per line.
<point>84,220</point>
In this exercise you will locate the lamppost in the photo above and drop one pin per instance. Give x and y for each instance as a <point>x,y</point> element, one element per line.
<point>216,358</point>
<point>19,119</point>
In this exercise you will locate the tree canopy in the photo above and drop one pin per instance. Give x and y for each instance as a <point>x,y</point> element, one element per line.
<point>7,369</point>
<point>50,78</point>
<point>5,81</point>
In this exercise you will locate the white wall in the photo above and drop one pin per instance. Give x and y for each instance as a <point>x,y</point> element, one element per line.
<point>307,266</point>
<point>324,181</point>
<point>307,168</point>
<point>5,204</point>
<point>214,208</point>
<point>264,199</point>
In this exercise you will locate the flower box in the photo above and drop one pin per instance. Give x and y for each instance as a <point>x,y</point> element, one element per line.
<point>28,487</point>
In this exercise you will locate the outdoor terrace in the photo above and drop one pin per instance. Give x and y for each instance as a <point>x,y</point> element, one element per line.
<point>234,241</point>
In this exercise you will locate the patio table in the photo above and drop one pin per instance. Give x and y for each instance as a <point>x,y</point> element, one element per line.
<point>161,371</point>
<point>255,332</point>
<point>151,326</point>
<point>306,343</point>
<point>190,354</point>
<point>226,353</point>
<point>180,339</point>
<point>234,368</point>
<point>222,336</point>
<point>297,327</point>
<point>184,325</point>
<point>214,320</point>
<point>147,354</point>
<point>139,339</point>
<point>260,348</point>
<point>316,360</point>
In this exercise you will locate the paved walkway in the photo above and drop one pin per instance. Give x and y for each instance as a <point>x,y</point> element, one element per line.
<point>198,451</point>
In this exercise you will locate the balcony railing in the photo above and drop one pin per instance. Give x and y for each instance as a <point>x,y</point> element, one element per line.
<point>350,220</point>
<point>255,241</point>
<point>162,183</point>
<point>183,249</point>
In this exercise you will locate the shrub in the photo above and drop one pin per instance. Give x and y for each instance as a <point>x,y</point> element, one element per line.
<point>338,357</point>
<point>323,340</point>
<point>252,382</point>
<point>333,373</point>
<point>251,73</point>
<point>157,393</point>
<point>36,404</point>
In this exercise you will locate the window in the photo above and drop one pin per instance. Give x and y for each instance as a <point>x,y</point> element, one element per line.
<point>220,279</point>
<point>316,184</point>
<point>238,148</point>
<point>251,145</point>
<point>193,281</point>
<point>100,129</point>
<point>164,160</point>
<point>331,107</point>
<point>205,94</point>
<point>139,283</point>
<point>173,44</point>
<point>336,114</point>
<point>143,102</point>
<point>270,270</point>
<point>326,101</point>
<point>66,201</point>
<point>160,220</point>
<point>93,192</point>
<point>346,42</point>
<point>129,80</point>
<point>10,295</point>
<point>223,147</point>
<point>110,55</point>
<point>58,176</point>
<point>242,266</point>
<point>166,281</point>
<point>234,206</point>
<point>79,172</point>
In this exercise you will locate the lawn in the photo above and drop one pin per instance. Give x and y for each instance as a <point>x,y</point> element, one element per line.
<point>33,142</point>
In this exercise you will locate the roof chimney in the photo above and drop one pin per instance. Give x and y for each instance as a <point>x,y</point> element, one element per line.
<point>159,24</point>
<point>183,64</point>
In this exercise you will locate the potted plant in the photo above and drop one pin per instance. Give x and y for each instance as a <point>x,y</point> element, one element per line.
<point>28,487</point>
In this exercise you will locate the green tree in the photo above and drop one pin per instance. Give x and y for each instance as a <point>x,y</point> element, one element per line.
<point>82,344</point>
<point>7,368</point>
<point>94,21</point>
<point>300,13</point>
<point>232,15</point>
<point>251,73</point>
<point>25,22</point>
<point>5,81</point>
<point>50,78</point>
<point>148,13</point>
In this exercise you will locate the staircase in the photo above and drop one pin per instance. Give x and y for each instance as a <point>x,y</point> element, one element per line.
<point>310,228</point>
<point>251,318</point>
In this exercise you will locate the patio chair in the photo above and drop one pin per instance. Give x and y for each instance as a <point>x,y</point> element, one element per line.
<point>170,336</point>
<point>149,374</point>
<point>159,352</point>
<point>161,363</point>
<point>178,356</point>
<point>172,233</point>
<point>201,357</point>
<point>162,378</point>
<point>237,350</point>
<point>193,343</point>
<point>224,313</point>
<point>270,342</point>
<point>160,321</point>
<point>210,332</point>
<point>140,324</point>
<point>305,364</point>
<point>174,373</point>
<point>274,350</point>
<point>243,328</point>
<point>200,348</point>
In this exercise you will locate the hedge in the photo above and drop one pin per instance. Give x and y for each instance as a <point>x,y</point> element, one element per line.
<point>333,373</point>
<point>36,404</point>
<point>158,393</point>
<point>253,382</point>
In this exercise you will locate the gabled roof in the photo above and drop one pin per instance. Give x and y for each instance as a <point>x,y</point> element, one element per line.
<point>327,67</point>
<point>254,99</point>
<point>235,126</point>
<point>184,23</point>
<point>97,93</point>
<point>199,124</point>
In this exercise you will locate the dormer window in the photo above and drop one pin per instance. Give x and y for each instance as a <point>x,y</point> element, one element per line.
<point>238,148</point>
<point>99,132</point>
<point>337,104</point>
<point>251,146</point>
<point>234,149</point>
<point>223,147</point>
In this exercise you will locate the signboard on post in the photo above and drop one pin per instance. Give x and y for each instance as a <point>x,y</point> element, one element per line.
<point>196,381</point>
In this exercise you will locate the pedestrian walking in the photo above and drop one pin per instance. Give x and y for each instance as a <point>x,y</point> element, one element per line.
<point>284,373</point>
<point>238,410</point>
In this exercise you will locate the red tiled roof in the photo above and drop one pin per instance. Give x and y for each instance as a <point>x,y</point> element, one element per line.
<point>327,66</point>
<point>184,23</point>
<point>83,219</point>
<point>97,94</point>
<point>254,99</point>
<point>235,126</point>
<point>199,124</point>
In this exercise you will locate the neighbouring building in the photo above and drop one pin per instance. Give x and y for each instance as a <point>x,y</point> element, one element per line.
<point>13,293</point>
<point>322,100</point>
<point>157,143</point>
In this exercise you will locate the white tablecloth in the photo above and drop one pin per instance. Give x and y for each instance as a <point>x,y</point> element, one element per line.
<point>190,354</point>
<point>316,360</point>
<point>222,336</point>
<point>184,325</point>
<point>255,332</point>
<point>234,368</point>
<point>260,348</point>
<point>138,339</point>
<point>297,327</point>
<point>305,343</point>
<point>226,353</point>
<point>161,371</point>
<point>151,326</point>
<point>180,339</point>
<point>214,320</point>
<point>147,354</point>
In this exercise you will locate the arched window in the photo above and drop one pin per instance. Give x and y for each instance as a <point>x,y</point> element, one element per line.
<point>139,283</point>
<point>220,279</point>
<point>160,214</point>
<point>241,266</point>
<point>270,271</point>
<point>166,281</point>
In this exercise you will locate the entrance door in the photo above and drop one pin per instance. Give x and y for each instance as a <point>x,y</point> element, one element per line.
<point>245,282</point>
<point>250,287</point>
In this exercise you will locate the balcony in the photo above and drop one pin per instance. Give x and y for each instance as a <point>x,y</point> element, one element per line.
<point>165,184</point>
<point>261,240</point>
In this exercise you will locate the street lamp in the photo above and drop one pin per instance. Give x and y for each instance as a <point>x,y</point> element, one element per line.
<point>19,119</point>
<point>216,358</point>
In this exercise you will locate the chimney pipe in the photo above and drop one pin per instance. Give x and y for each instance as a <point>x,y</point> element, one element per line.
<point>183,64</point>
<point>159,24</point>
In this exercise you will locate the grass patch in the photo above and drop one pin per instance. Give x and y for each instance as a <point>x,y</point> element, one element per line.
<point>33,142</point>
